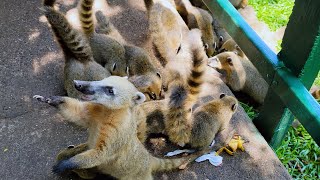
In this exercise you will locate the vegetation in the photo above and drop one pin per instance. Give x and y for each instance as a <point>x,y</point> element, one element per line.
<point>298,152</point>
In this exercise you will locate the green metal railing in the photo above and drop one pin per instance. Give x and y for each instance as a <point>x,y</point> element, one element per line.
<point>289,73</point>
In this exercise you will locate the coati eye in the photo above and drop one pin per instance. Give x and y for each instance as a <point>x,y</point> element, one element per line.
<point>179,48</point>
<point>237,47</point>
<point>206,46</point>
<point>158,74</point>
<point>109,90</point>
<point>164,88</point>
<point>222,95</point>
<point>220,38</point>
<point>114,66</point>
<point>234,107</point>
<point>229,60</point>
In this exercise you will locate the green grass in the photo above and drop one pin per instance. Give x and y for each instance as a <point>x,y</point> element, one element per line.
<point>274,13</point>
<point>298,152</point>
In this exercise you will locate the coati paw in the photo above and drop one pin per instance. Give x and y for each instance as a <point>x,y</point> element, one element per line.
<point>64,165</point>
<point>53,100</point>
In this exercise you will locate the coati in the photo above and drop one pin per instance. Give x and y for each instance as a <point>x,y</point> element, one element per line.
<point>198,18</point>
<point>183,94</point>
<point>315,91</point>
<point>168,31</point>
<point>209,119</point>
<point>231,46</point>
<point>221,33</point>
<point>106,51</point>
<point>79,62</point>
<point>142,73</point>
<point>113,145</point>
<point>240,75</point>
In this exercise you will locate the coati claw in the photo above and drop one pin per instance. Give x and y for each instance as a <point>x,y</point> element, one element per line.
<point>64,165</point>
<point>39,98</point>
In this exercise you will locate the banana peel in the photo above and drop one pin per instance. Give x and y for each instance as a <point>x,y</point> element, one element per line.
<point>235,143</point>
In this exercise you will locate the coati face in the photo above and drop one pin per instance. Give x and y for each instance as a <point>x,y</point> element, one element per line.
<point>230,66</point>
<point>150,85</point>
<point>209,42</point>
<point>229,102</point>
<point>113,92</point>
<point>231,46</point>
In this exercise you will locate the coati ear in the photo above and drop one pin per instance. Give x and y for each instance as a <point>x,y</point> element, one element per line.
<point>229,60</point>
<point>159,75</point>
<point>214,62</point>
<point>139,98</point>
<point>215,46</point>
<point>206,46</point>
<point>234,107</point>
<point>237,47</point>
<point>114,66</point>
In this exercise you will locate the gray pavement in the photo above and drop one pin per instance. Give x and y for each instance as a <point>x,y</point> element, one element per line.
<point>31,133</point>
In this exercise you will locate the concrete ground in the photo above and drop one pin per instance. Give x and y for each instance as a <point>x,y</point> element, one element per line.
<point>31,133</point>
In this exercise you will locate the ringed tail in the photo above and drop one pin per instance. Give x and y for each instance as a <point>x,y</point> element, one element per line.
<point>86,18</point>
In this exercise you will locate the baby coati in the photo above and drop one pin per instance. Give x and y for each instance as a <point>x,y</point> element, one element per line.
<point>79,62</point>
<point>113,145</point>
<point>141,71</point>
<point>240,75</point>
<point>106,51</point>
<point>198,18</point>
<point>231,46</point>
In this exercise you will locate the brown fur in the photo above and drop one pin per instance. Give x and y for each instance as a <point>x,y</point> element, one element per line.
<point>106,51</point>
<point>198,18</point>
<point>79,62</point>
<point>240,75</point>
<point>211,118</point>
<point>113,144</point>
<point>231,46</point>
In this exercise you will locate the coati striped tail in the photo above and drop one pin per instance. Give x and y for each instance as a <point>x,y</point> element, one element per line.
<point>70,39</point>
<point>85,12</point>
<point>159,164</point>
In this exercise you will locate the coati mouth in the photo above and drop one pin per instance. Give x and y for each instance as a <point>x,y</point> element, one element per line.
<point>87,97</point>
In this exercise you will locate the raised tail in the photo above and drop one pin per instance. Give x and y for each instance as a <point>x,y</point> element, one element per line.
<point>86,18</point>
<point>184,95</point>
<point>104,25</point>
<point>71,40</point>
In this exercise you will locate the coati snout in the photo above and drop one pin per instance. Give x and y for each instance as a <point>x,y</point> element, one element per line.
<point>84,87</point>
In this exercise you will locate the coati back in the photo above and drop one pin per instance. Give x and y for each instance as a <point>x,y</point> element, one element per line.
<point>79,63</point>
<point>198,18</point>
<point>113,146</point>
<point>240,75</point>
<point>106,51</point>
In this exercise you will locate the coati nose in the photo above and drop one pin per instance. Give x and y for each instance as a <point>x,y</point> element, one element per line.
<point>222,95</point>
<point>83,86</point>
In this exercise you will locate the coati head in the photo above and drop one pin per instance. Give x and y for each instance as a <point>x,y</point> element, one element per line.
<point>230,66</point>
<point>231,46</point>
<point>114,92</point>
<point>150,85</point>
<point>208,38</point>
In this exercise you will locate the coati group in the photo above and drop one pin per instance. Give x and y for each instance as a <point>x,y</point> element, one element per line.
<point>108,81</point>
